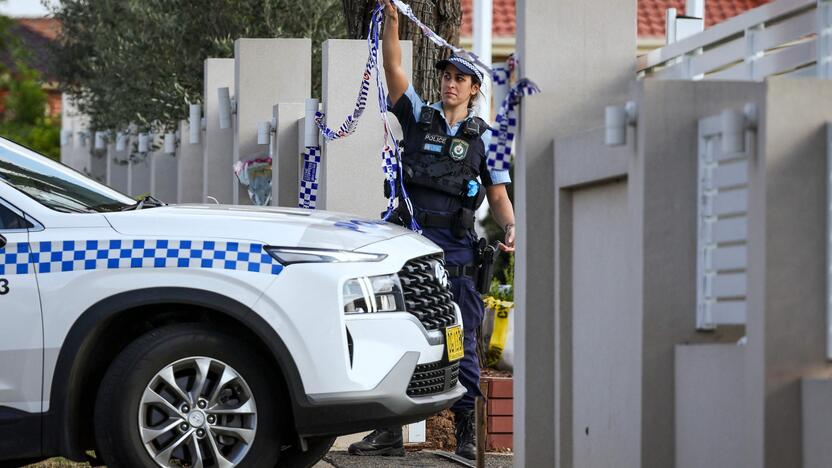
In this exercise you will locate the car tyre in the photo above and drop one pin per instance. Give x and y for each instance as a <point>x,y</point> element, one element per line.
<point>231,384</point>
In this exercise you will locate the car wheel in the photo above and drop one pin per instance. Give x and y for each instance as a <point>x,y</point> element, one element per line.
<point>187,395</point>
<point>316,449</point>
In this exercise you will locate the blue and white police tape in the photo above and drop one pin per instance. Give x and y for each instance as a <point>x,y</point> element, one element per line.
<point>505,125</point>
<point>502,75</point>
<point>310,178</point>
<point>437,39</point>
<point>114,254</point>
<point>391,153</point>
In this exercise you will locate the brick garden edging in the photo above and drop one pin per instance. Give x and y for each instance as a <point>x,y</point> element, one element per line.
<point>499,412</point>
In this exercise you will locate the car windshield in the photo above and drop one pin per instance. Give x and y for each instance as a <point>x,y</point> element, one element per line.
<point>54,185</point>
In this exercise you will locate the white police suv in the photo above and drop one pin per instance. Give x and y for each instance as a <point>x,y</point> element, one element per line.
<point>207,336</point>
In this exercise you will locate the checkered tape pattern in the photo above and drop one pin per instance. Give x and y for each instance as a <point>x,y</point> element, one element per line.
<point>501,75</point>
<point>502,136</point>
<point>308,194</point>
<point>85,255</point>
<point>391,153</point>
<point>437,39</point>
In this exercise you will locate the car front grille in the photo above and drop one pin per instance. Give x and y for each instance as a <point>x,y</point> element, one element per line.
<point>424,295</point>
<point>432,378</point>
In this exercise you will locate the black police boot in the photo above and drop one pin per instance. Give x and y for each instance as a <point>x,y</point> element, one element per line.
<point>466,434</point>
<point>387,441</point>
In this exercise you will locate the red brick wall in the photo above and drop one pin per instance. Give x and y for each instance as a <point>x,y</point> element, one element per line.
<point>500,412</point>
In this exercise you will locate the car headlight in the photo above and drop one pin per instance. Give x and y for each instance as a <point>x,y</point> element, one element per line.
<point>371,294</point>
<point>290,255</point>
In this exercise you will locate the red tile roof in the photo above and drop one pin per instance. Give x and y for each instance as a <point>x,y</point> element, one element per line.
<point>35,35</point>
<point>46,27</point>
<point>651,15</point>
<point>502,23</point>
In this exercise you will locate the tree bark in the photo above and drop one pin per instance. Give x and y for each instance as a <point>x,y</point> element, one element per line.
<point>442,16</point>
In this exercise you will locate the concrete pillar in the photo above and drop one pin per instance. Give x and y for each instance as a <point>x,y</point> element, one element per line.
<point>582,58</point>
<point>139,176</point>
<point>189,167</point>
<point>817,422</point>
<point>69,136</point>
<point>792,326</point>
<point>117,167</point>
<point>599,324</point>
<point>286,154</point>
<point>97,163</point>
<point>218,143</point>
<point>352,179</point>
<point>77,151</point>
<point>163,176</point>
<point>709,406</point>
<point>266,72</point>
<point>80,153</point>
<point>663,178</point>
<point>108,157</point>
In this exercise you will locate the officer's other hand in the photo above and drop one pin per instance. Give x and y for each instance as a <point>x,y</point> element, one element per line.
<point>508,244</point>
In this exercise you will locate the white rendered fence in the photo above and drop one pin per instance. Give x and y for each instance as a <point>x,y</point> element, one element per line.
<point>785,37</point>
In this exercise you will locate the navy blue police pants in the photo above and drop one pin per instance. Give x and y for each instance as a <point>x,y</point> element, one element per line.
<point>471,306</point>
<point>461,251</point>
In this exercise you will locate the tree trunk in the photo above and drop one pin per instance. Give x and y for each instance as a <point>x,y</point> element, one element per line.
<point>442,16</point>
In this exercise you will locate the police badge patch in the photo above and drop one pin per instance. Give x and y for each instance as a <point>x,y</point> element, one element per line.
<point>459,149</point>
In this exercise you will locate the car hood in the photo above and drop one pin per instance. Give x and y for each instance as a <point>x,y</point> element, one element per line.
<point>285,227</point>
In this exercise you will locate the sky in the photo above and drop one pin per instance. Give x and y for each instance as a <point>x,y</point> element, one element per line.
<point>22,8</point>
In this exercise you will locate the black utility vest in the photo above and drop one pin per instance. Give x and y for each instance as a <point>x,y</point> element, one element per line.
<point>439,168</point>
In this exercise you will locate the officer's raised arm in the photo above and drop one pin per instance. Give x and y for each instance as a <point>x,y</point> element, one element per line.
<point>392,53</point>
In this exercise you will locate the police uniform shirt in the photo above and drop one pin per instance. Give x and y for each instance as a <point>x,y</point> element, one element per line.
<point>409,108</point>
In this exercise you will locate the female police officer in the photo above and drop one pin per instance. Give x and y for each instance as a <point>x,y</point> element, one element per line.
<point>444,159</point>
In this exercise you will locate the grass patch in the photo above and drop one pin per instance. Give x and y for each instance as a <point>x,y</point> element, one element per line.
<point>59,463</point>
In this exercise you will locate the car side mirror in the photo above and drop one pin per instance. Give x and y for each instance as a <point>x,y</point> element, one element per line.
<point>2,241</point>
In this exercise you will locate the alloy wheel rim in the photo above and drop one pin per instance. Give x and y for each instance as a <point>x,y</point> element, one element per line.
<point>197,412</point>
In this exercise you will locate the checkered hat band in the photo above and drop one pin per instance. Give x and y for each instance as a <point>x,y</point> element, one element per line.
<point>467,64</point>
<point>116,254</point>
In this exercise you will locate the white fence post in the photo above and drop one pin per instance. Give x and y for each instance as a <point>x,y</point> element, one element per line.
<point>189,162</point>
<point>483,19</point>
<point>357,158</point>
<point>670,26</point>
<point>217,150</point>
<point>695,8</point>
<point>163,167</point>
<point>824,39</point>
<point>117,164</point>
<point>266,72</point>
<point>752,52</point>
<point>285,158</point>
<point>139,174</point>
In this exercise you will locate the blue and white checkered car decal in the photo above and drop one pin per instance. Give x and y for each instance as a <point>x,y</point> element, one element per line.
<point>64,256</point>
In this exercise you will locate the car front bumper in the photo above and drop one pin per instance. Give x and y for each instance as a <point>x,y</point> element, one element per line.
<point>385,405</point>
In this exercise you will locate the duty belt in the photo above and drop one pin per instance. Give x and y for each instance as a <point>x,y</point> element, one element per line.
<point>455,271</point>
<point>435,220</point>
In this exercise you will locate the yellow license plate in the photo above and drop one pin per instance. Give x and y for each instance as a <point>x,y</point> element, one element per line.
<point>453,342</point>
